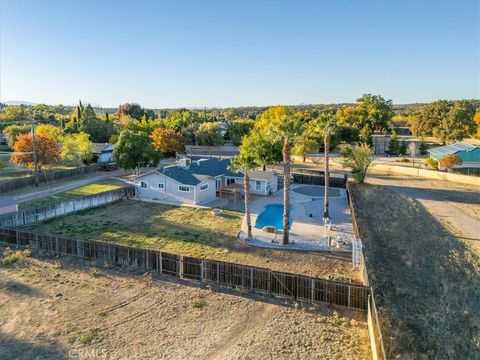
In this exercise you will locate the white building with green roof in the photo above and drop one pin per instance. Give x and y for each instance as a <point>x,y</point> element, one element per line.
<point>468,153</point>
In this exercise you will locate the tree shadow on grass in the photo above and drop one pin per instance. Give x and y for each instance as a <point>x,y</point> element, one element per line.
<point>426,281</point>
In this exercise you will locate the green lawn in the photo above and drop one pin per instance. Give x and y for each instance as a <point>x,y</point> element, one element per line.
<point>188,231</point>
<point>91,189</point>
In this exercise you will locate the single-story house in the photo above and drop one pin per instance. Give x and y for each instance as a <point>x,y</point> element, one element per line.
<point>469,154</point>
<point>7,205</point>
<point>196,182</point>
<point>103,152</point>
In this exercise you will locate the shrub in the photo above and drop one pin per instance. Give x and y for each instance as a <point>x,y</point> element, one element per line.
<point>199,303</point>
<point>358,159</point>
<point>431,163</point>
<point>12,257</point>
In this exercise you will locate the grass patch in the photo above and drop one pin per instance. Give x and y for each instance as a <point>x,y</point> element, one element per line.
<point>426,281</point>
<point>199,303</point>
<point>11,256</point>
<point>187,231</point>
<point>91,189</point>
<point>93,336</point>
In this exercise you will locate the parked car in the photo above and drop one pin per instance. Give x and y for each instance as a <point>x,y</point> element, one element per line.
<point>391,153</point>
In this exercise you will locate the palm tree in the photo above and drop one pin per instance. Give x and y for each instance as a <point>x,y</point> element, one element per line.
<point>284,126</point>
<point>245,162</point>
<point>325,126</point>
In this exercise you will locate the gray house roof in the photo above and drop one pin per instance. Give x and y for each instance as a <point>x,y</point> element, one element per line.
<point>213,167</point>
<point>181,175</point>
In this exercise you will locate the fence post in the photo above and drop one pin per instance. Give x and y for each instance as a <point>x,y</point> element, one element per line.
<point>181,267</point>
<point>160,262</point>
<point>218,273</point>
<point>251,279</point>
<point>202,271</point>
<point>349,294</point>
<point>17,238</point>
<point>313,290</point>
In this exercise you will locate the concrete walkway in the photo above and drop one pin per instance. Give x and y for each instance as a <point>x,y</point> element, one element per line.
<point>307,232</point>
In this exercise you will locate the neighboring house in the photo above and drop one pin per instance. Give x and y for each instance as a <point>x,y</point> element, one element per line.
<point>3,139</point>
<point>7,205</point>
<point>103,152</point>
<point>469,154</point>
<point>198,181</point>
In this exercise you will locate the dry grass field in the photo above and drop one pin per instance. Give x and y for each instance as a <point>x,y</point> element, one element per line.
<point>55,308</point>
<point>426,280</point>
<point>192,232</point>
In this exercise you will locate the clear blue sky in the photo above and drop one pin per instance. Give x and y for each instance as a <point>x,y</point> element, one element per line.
<point>233,53</point>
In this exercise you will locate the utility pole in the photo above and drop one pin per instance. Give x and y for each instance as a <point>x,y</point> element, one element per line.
<point>34,152</point>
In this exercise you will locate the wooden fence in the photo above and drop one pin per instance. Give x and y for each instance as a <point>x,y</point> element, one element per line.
<point>45,177</point>
<point>59,208</point>
<point>312,179</point>
<point>235,276</point>
<point>374,329</point>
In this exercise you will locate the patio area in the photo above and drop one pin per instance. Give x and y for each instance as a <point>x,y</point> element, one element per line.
<point>307,232</point>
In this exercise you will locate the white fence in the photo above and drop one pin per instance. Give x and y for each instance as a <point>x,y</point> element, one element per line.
<point>51,210</point>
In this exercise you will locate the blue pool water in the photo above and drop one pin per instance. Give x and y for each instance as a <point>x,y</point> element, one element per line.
<point>272,215</point>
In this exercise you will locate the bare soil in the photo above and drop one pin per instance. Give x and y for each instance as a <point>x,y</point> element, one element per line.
<point>56,308</point>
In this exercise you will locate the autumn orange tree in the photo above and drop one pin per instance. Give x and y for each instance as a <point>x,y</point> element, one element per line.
<point>46,148</point>
<point>168,141</point>
<point>449,161</point>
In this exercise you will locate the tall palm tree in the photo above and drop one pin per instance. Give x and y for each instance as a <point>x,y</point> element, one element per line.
<point>245,162</point>
<point>284,126</point>
<point>325,126</point>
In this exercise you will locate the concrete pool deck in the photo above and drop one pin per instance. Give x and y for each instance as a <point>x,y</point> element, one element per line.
<point>307,233</point>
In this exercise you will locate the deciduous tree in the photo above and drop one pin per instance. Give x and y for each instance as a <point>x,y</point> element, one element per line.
<point>134,149</point>
<point>168,141</point>
<point>47,150</point>
<point>76,148</point>
<point>209,134</point>
<point>450,161</point>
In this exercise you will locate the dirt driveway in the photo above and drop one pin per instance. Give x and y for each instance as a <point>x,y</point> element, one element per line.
<point>456,206</point>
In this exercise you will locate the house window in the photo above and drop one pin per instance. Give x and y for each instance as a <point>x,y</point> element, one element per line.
<point>183,188</point>
<point>203,187</point>
<point>143,184</point>
<point>230,181</point>
<point>161,186</point>
<point>258,185</point>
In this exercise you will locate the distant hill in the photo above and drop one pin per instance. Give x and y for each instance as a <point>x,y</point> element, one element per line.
<point>19,102</point>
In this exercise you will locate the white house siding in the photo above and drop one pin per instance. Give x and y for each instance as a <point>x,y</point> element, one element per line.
<point>210,194</point>
<point>171,192</point>
<point>106,157</point>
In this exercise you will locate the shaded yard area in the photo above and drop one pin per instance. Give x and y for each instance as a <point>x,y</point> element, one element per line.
<point>90,189</point>
<point>426,281</point>
<point>193,232</point>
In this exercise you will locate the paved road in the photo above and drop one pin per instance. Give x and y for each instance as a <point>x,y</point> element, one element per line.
<point>456,206</point>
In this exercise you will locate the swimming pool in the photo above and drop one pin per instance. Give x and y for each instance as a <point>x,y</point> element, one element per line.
<point>272,215</point>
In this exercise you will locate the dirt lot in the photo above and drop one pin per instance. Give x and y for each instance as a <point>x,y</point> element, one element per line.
<point>426,280</point>
<point>192,232</point>
<point>53,308</point>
